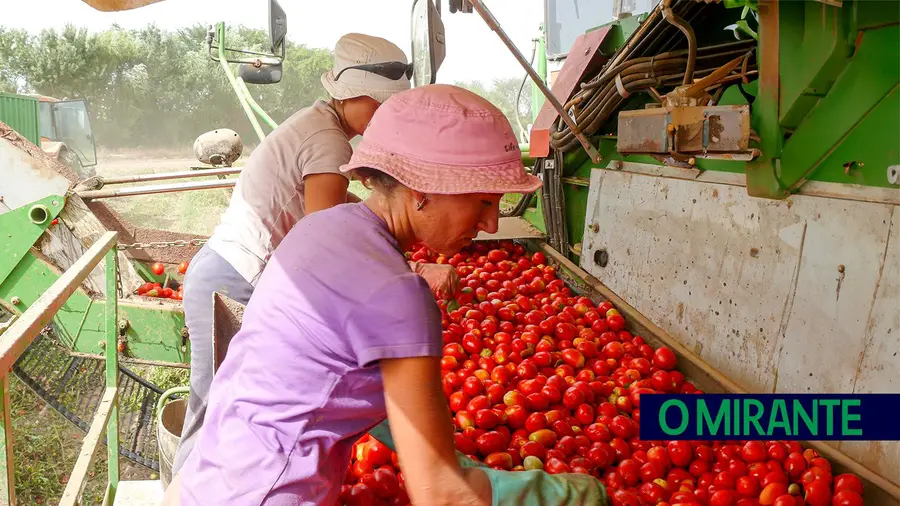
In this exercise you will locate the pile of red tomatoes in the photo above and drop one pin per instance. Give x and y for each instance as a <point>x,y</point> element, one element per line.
<point>538,378</point>
<point>156,289</point>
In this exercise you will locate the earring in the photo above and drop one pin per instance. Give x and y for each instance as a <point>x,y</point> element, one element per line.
<point>420,204</point>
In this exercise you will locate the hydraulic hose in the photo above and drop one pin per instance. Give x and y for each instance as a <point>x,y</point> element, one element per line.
<point>688,32</point>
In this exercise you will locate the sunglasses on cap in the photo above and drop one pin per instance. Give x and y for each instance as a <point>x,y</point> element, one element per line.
<point>393,70</point>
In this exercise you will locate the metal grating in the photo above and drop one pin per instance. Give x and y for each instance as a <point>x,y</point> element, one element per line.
<point>74,385</point>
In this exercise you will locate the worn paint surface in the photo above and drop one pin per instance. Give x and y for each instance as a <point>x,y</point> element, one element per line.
<point>751,284</point>
<point>879,362</point>
<point>154,325</point>
<point>23,179</point>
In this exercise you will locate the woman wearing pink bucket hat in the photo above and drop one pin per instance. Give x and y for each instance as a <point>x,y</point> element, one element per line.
<point>341,334</point>
<point>293,173</point>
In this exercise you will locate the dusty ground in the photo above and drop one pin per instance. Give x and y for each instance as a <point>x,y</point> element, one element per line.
<point>196,212</point>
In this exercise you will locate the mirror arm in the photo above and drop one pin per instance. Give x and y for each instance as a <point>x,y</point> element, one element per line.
<point>218,43</point>
<point>255,106</point>
<point>220,33</point>
<point>492,23</point>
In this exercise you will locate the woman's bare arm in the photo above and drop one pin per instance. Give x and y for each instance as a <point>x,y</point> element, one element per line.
<point>322,191</point>
<point>423,434</point>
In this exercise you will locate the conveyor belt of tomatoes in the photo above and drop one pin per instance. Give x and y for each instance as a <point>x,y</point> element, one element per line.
<point>172,289</point>
<point>538,378</point>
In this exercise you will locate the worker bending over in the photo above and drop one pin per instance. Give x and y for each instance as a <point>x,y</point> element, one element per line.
<point>340,333</point>
<point>293,173</point>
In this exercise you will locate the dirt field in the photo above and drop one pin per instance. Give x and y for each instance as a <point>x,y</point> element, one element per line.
<point>196,212</point>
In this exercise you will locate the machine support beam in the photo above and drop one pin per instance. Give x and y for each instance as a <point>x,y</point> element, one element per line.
<point>161,188</point>
<point>495,26</point>
<point>22,228</point>
<point>162,176</point>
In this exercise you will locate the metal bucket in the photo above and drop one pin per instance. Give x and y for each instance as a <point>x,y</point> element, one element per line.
<point>169,422</point>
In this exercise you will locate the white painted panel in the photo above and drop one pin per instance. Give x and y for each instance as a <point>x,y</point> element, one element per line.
<point>879,365</point>
<point>826,329</point>
<point>24,180</point>
<point>751,284</point>
<point>689,255</point>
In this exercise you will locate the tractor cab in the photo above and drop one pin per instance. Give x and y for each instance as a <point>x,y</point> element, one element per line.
<point>65,130</point>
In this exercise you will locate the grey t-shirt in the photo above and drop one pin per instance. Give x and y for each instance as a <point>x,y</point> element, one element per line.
<point>268,197</point>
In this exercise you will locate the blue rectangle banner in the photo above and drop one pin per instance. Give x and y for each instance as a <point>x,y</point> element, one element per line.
<point>814,417</point>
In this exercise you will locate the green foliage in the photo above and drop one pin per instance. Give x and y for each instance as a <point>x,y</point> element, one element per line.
<point>149,88</point>
<point>503,93</point>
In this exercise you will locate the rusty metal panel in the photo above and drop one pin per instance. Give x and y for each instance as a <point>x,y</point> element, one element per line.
<point>643,131</point>
<point>694,130</point>
<point>21,113</point>
<point>753,285</point>
<point>584,57</point>
<point>228,314</point>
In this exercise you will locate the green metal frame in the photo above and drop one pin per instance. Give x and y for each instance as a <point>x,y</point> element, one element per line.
<point>825,110</point>
<point>245,98</point>
<point>14,340</point>
<point>22,227</point>
<point>154,327</point>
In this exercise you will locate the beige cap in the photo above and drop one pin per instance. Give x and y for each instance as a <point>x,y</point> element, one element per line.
<point>359,49</point>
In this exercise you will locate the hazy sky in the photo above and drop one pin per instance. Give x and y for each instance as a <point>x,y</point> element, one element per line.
<point>473,50</point>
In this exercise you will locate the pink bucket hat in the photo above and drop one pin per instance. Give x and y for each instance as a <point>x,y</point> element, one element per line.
<point>443,139</point>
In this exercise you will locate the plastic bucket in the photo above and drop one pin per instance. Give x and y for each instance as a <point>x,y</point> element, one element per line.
<point>169,422</point>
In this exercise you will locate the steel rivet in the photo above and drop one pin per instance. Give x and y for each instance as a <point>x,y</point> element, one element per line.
<point>55,203</point>
<point>15,300</point>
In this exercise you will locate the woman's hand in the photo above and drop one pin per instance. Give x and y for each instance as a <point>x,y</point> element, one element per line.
<point>441,278</point>
<point>422,431</point>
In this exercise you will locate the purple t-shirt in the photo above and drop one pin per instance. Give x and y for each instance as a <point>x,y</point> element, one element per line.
<point>301,382</point>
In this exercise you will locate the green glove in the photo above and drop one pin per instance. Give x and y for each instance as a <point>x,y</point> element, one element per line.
<point>382,432</point>
<point>525,488</point>
<point>538,488</point>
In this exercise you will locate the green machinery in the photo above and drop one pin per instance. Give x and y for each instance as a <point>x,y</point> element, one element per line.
<point>729,168</point>
<point>62,128</point>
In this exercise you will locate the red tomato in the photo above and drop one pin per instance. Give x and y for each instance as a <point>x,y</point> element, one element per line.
<point>499,460</point>
<point>787,500</point>
<point>813,474</point>
<point>360,495</point>
<point>680,452</point>
<point>385,483</point>
<point>771,492</point>
<point>747,486</point>
<point>490,442</point>
<point>651,493</point>
<point>754,451</point>
<point>817,493</point>
<point>724,480</point>
<point>158,268</point>
<point>848,482</point>
<point>664,358</point>
<point>723,498</point>
<point>183,267</point>
<point>847,497</point>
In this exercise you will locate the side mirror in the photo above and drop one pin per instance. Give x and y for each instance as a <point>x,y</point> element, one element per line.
<point>428,45</point>
<point>277,27</point>
<point>262,74</point>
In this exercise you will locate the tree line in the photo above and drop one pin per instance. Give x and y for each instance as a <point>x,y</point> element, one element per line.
<point>154,88</point>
